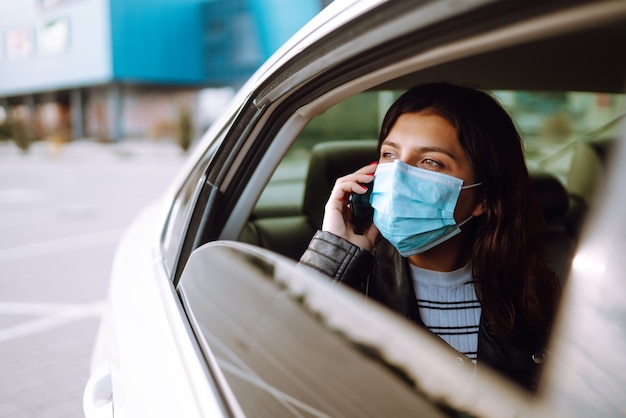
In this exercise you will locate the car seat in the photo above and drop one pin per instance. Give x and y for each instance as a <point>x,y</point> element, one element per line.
<point>329,161</point>
<point>560,242</point>
<point>290,234</point>
<point>585,177</point>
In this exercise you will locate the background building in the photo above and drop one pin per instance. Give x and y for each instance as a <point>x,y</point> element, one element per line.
<point>113,69</point>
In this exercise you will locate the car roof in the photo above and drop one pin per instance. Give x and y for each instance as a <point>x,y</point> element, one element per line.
<point>531,45</point>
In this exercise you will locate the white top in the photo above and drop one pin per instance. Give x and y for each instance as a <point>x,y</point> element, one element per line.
<point>449,307</point>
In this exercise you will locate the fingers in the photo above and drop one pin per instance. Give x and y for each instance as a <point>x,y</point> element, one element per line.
<point>366,172</point>
<point>337,214</point>
<point>353,183</point>
<point>368,169</point>
<point>357,181</point>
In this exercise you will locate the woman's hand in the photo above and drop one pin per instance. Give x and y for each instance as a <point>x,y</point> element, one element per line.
<point>337,218</point>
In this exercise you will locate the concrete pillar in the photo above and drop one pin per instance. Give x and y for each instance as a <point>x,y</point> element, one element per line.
<point>114,112</point>
<point>77,114</point>
<point>29,102</point>
<point>4,109</point>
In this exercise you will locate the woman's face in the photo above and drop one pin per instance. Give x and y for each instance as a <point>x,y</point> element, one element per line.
<point>428,141</point>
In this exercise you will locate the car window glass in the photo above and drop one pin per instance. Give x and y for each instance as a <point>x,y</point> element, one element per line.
<point>553,124</point>
<point>289,343</point>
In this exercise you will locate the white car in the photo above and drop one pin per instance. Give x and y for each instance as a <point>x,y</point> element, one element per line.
<point>209,314</point>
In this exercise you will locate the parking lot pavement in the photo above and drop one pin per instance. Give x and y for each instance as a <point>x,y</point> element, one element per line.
<point>91,149</point>
<point>62,212</point>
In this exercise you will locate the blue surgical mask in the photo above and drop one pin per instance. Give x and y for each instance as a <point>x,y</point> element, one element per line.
<point>414,207</point>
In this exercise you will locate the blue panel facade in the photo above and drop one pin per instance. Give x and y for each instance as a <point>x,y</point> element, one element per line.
<point>278,20</point>
<point>231,45</point>
<point>169,42</point>
<point>157,41</point>
<point>119,68</point>
<point>241,34</point>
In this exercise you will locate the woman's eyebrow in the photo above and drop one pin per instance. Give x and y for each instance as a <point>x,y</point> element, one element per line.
<point>423,149</point>
<point>389,143</point>
<point>438,149</point>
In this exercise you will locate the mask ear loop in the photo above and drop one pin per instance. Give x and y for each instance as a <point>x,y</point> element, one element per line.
<point>471,186</point>
<point>464,222</point>
<point>471,216</point>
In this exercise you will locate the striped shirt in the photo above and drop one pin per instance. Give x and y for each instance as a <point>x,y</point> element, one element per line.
<point>449,307</point>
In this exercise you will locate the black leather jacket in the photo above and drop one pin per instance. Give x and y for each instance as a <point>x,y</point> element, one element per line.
<point>385,277</point>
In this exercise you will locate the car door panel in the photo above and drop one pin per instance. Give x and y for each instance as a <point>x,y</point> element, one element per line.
<point>289,341</point>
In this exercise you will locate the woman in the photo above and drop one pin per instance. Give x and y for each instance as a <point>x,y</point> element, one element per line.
<point>456,241</point>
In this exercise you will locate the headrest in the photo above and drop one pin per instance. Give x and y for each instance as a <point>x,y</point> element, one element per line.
<point>551,195</point>
<point>329,161</point>
<point>588,166</point>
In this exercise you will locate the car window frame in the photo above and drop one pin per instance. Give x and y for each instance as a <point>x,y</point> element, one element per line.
<point>277,97</point>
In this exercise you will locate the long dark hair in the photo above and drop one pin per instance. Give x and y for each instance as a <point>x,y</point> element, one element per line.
<point>516,288</point>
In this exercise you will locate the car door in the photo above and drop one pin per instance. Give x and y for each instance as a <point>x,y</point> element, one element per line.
<point>286,341</point>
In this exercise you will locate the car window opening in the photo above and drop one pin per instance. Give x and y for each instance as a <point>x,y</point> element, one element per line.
<point>567,136</point>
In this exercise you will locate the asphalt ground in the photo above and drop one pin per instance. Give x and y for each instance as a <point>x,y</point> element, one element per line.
<point>62,212</point>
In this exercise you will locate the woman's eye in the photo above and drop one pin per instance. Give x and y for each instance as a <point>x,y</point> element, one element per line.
<point>431,163</point>
<point>388,156</point>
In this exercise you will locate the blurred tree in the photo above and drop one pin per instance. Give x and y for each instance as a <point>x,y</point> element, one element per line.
<point>185,128</point>
<point>18,132</point>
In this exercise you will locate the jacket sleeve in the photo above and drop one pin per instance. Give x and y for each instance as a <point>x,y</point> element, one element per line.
<point>339,259</point>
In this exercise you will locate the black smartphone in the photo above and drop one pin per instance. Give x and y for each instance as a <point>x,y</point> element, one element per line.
<point>361,210</point>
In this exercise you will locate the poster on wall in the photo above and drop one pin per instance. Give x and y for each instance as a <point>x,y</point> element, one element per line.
<point>20,43</point>
<point>53,36</point>
<point>48,3</point>
<point>44,4</point>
